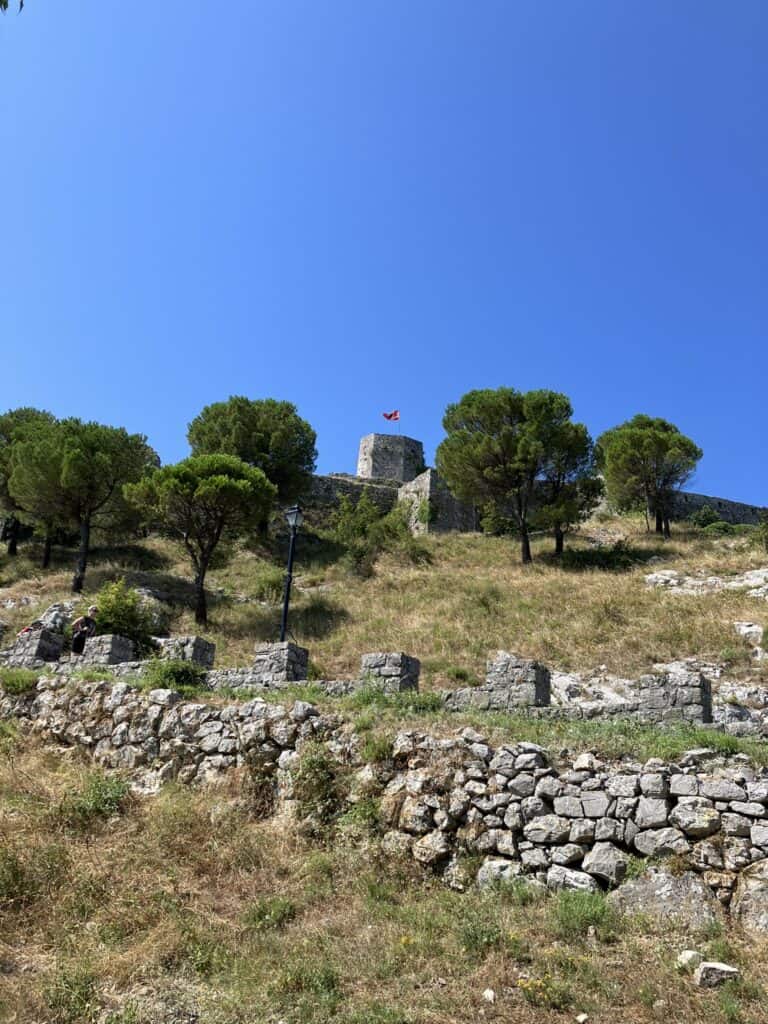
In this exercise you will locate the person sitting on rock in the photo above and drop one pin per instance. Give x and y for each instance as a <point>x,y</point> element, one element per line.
<point>83,628</point>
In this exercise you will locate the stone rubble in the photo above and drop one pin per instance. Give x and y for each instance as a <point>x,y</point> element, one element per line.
<point>755,582</point>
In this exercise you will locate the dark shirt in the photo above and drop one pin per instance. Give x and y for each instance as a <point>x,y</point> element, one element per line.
<point>85,624</point>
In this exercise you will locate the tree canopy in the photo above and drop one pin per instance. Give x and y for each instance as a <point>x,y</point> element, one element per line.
<point>14,426</point>
<point>202,501</point>
<point>570,487</point>
<point>265,433</point>
<point>72,473</point>
<point>502,443</point>
<point>645,461</point>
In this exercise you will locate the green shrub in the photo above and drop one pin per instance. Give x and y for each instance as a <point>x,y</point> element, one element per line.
<point>362,819</point>
<point>269,914</point>
<point>268,583</point>
<point>183,676</point>
<point>318,789</point>
<point>123,612</point>
<point>71,995</point>
<point>18,681</point>
<point>374,749</point>
<point>101,797</point>
<point>705,516</point>
<point>719,529</point>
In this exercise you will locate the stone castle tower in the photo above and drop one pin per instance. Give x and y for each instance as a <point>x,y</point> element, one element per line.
<point>390,457</point>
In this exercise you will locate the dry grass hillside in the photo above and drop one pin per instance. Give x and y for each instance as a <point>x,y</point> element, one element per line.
<point>468,597</point>
<point>188,908</point>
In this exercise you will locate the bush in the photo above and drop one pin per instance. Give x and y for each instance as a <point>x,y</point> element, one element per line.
<point>366,532</point>
<point>183,676</point>
<point>719,529</point>
<point>269,913</point>
<point>123,612</point>
<point>100,798</point>
<point>268,583</point>
<point>318,790</point>
<point>18,681</point>
<point>705,516</point>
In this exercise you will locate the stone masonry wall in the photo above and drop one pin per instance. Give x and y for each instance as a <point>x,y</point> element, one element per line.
<point>429,493</point>
<point>390,457</point>
<point>573,823</point>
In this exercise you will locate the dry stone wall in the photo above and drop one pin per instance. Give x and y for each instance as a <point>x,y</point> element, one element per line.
<point>575,823</point>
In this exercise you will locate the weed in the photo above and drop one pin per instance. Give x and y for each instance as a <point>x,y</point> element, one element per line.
<point>14,888</point>
<point>362,819</point>
<point>71,995</point>
<point>267,582</point>
<point>546,991</point>
<point>375,749</point>
<point>101,797</point>
<point>18,681</point>
<point>574,913</point>
<point>183,676</point>
<point>317,789</point>
<point>269,913</point>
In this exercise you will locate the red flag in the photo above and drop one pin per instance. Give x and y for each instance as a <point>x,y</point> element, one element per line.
<point>394,415</point>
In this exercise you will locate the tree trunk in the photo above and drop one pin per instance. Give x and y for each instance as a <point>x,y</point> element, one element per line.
<point>647,520</point>
<point>525,545</point>
<point>559,540</point>
<point>659,521</point>
<point>47,550</point>
<point>201,607</point>
<point>667,531</point>
<point>82,556</point>
<point>12,535</point>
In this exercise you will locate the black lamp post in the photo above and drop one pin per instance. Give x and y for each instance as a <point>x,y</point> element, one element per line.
<point>295,518</point>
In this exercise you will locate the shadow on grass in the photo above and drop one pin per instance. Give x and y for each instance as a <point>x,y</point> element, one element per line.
<point>618,557</point>
<point>318,618</point>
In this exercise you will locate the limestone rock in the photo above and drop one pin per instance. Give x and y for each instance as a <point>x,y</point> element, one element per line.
<point>750,902</point>
<point>607,862</point>
<point>496,870</point>
<point>668,899</point>
<point>549,828</point>
<point>710,973</point>
<point>432,848</point>
<point>696,817</point>
<point>559,877</point>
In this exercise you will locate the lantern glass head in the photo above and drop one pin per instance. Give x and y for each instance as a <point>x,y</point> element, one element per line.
<point>294,516</point>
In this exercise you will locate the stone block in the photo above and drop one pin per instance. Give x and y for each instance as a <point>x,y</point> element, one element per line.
<point>186,648</point>
<point>109,649</point>
<point>39,645</point>
<point>525,682</point>
<point>279,663</point>
<point>391,671</point>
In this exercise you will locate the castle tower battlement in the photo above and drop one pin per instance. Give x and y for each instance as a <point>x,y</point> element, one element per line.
<point>390,457</point>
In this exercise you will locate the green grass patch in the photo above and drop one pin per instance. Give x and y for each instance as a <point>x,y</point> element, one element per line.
<point>270,913</point>
<point>18,681</point>
<point>101,797</point>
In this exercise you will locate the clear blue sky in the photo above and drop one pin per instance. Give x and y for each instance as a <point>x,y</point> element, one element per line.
<point>361,205</point>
